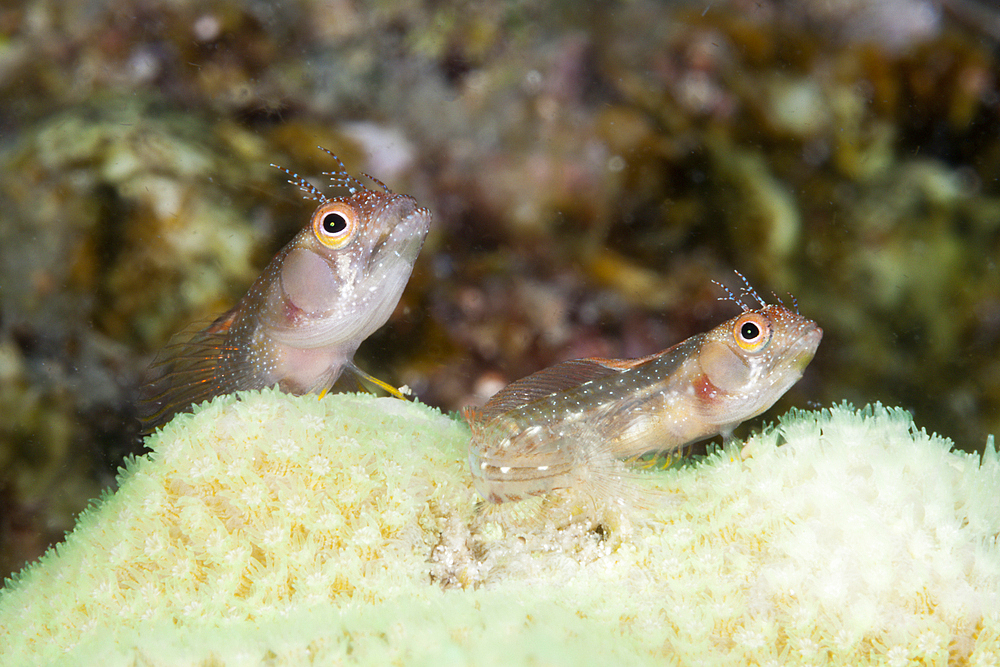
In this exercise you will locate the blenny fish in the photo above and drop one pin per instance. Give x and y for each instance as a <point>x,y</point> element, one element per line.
<point>571,425</point>
<point>298,326</point>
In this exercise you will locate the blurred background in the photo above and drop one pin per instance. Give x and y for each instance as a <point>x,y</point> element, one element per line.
<point>591,168</point>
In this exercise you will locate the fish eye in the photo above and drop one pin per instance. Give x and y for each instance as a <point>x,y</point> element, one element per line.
<point>335,224</point>
<point>752,331</point>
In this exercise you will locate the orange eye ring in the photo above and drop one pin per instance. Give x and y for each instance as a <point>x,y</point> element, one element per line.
<point>752,331</point>
<point>335,224</point>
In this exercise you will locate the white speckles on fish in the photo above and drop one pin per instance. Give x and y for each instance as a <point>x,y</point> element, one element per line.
<point>569,425</point>
<point>300,323</point>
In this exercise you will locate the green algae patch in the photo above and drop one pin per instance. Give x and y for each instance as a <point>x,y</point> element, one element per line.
<point>278,530</point>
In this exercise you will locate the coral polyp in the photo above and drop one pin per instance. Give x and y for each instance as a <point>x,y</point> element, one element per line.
<point>271,529</point>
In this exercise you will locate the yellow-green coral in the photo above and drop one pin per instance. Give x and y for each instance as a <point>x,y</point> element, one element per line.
<point>278,530</point>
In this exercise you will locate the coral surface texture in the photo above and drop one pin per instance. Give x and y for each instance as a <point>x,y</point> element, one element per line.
<point>273,530</point>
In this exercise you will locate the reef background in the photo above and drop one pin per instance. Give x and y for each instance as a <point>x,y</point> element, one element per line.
<point>590,169</point>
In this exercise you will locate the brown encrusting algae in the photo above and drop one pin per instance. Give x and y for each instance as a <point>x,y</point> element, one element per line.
<point>568,426</point>
<point>298,327</point>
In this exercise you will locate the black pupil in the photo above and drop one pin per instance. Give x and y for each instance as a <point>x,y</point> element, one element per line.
<point>749,331</point>
<point>334,223</point>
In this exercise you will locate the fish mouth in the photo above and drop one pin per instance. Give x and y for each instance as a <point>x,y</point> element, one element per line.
<point>416,224</point>
<point>409,230</point>
<point>804,347</point>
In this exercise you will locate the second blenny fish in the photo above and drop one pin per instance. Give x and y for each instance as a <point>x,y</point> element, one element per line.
<point>300,323</point>
<point>570,425</point>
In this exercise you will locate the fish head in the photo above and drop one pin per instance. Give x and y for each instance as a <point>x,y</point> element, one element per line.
<point>750,361</point>
<point>341,276</point>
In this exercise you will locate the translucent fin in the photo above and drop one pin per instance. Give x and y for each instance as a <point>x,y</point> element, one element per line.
<point>630,432</point>
<point>659,459</point>
<point>187,372</point>
<point>365,380</point>
<point>183,374</point>
<point>573,459</point>
<point>533,462</point>
<point>473,416</point>
<point>561,377</point>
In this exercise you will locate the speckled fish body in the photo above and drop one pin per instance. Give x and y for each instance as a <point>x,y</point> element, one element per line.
<point>570,424</point>
<point>298,326</point>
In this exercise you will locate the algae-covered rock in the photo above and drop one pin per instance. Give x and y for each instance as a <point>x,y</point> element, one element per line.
<point>269,529</point>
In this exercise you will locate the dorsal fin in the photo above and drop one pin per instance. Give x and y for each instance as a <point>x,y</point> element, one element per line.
<point>560,377</point>
<point>224,322</point>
